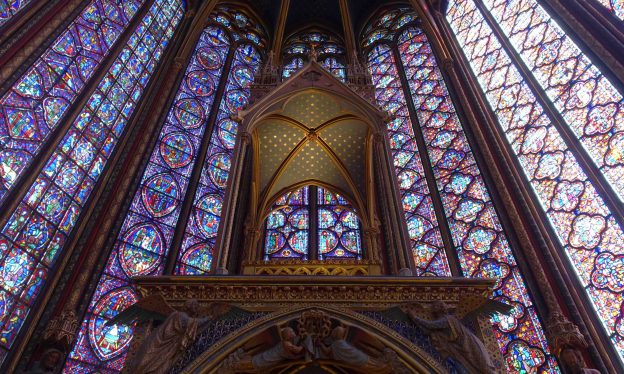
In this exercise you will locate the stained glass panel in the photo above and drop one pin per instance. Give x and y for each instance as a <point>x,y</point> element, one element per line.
<point>338,227</point>
<point>588,102</point>
<point>330,54</point>
<point>587,230</point>
<point>34,106</point>
<point>614,6</point>
<point>9,8</point>
<point>288,227</point>
<point>37,230</point>
<point>147,231</point>
<point>481,243</point>
<point>422,224</point>
<point>196,253</point>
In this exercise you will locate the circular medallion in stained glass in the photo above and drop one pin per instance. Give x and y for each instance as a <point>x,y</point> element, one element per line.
<point>177,150</point>
<point>197,260</point>
<point>200,83</point>
<point>248,54</point>
<point>298,241</point>
<point>235,100</point>
<point>217,36</point>
<point>274,241</point>
<point>349,219</point>
<point>326,218</point>
<point>299,219</point>
<point>109,341</point>
<point>70,177</point>
<point>140,249</point>
<point>36,234</point>
<point>351,241</point>
<point>209,58</point>
<point>189,113</point>
<point>243,76</point>
<point>276,219</point>
<point>227,133</point>
<point>160,194</point>
<point>327,241</point>
<point>219,169</point>
<point>207,214</point>
<point>54,204</point>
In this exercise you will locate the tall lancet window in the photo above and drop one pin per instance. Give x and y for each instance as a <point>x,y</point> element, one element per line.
<point>448,210</point>
<point>39,228</point>
<point>331,54</point>
<point>563,120</point>
<point>188,166</point>
<point>312,223</point>
<point>35,106</point>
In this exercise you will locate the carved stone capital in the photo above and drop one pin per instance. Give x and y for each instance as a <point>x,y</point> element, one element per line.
<point>62,329</point>
<point>178,63</point>
<point>246,137</point>
<point>448,64</point>
<point>563,333</point>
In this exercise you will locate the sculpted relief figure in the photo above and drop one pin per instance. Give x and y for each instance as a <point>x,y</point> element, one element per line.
<point>342,351</point>
<point>286,349</point>
<point>451,338</point>
<point>572,361</point>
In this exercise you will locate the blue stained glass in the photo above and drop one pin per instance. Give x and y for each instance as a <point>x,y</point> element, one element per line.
<point>288,226</point>
<point>338,227</point>
<point>203,225</point>
<point>9,8</point>
<point>330,54</point>
<point>33,108</point>
<point>147,231</point>
<point>37,230</point>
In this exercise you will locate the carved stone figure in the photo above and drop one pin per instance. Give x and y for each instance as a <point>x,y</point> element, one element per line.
<point>343,351</point>
<point>451,338</point>
<point>573,362</point>
<point>164,345</point>
<point>286,349</point>
<point>48,363</point>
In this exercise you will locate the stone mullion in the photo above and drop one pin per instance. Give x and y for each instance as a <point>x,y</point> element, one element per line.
<point>189,198</point>
<point>585,161</point>
<point>30,173</point>
<point>527,219</point>
<point>313,252</point>
<point>423,153</point>
<point>21,45</point>
<point>80,252</point>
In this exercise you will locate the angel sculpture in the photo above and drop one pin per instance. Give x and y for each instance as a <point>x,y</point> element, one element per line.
<point>451,338</point>
<point>178,330</point>
<point>343,351</point>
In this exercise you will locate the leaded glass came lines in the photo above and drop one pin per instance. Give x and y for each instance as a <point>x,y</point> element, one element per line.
<point>589,234</point>
<point>34,106</point>
<point>37,230</point>
<point>9,8</point>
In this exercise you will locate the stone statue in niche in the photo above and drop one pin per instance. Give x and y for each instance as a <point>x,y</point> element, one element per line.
<point>177,330</point>
<point>451,338</point>
<point>573,362</point>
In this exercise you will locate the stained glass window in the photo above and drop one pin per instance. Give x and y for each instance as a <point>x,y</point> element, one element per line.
<point>331,55</point>
<point>37,230</point>
<point>338,227</point>
<point>477,235</point>
<point>288,226</point>
<point>588,102</point>
<point>34,106</point>
<point>589,234</point>
<point>147,233</point>
<point>9,8</point>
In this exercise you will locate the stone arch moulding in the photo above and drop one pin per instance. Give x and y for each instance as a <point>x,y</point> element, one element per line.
<point>382,344</point>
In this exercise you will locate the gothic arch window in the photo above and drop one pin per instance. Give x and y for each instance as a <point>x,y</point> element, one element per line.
<point>448,210</point>
<point>38,229</point>
<point>562,119</point>
<point>331,53</point>
<point>9,8</point>
<point>188,165</point>
<point>312,223</point>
